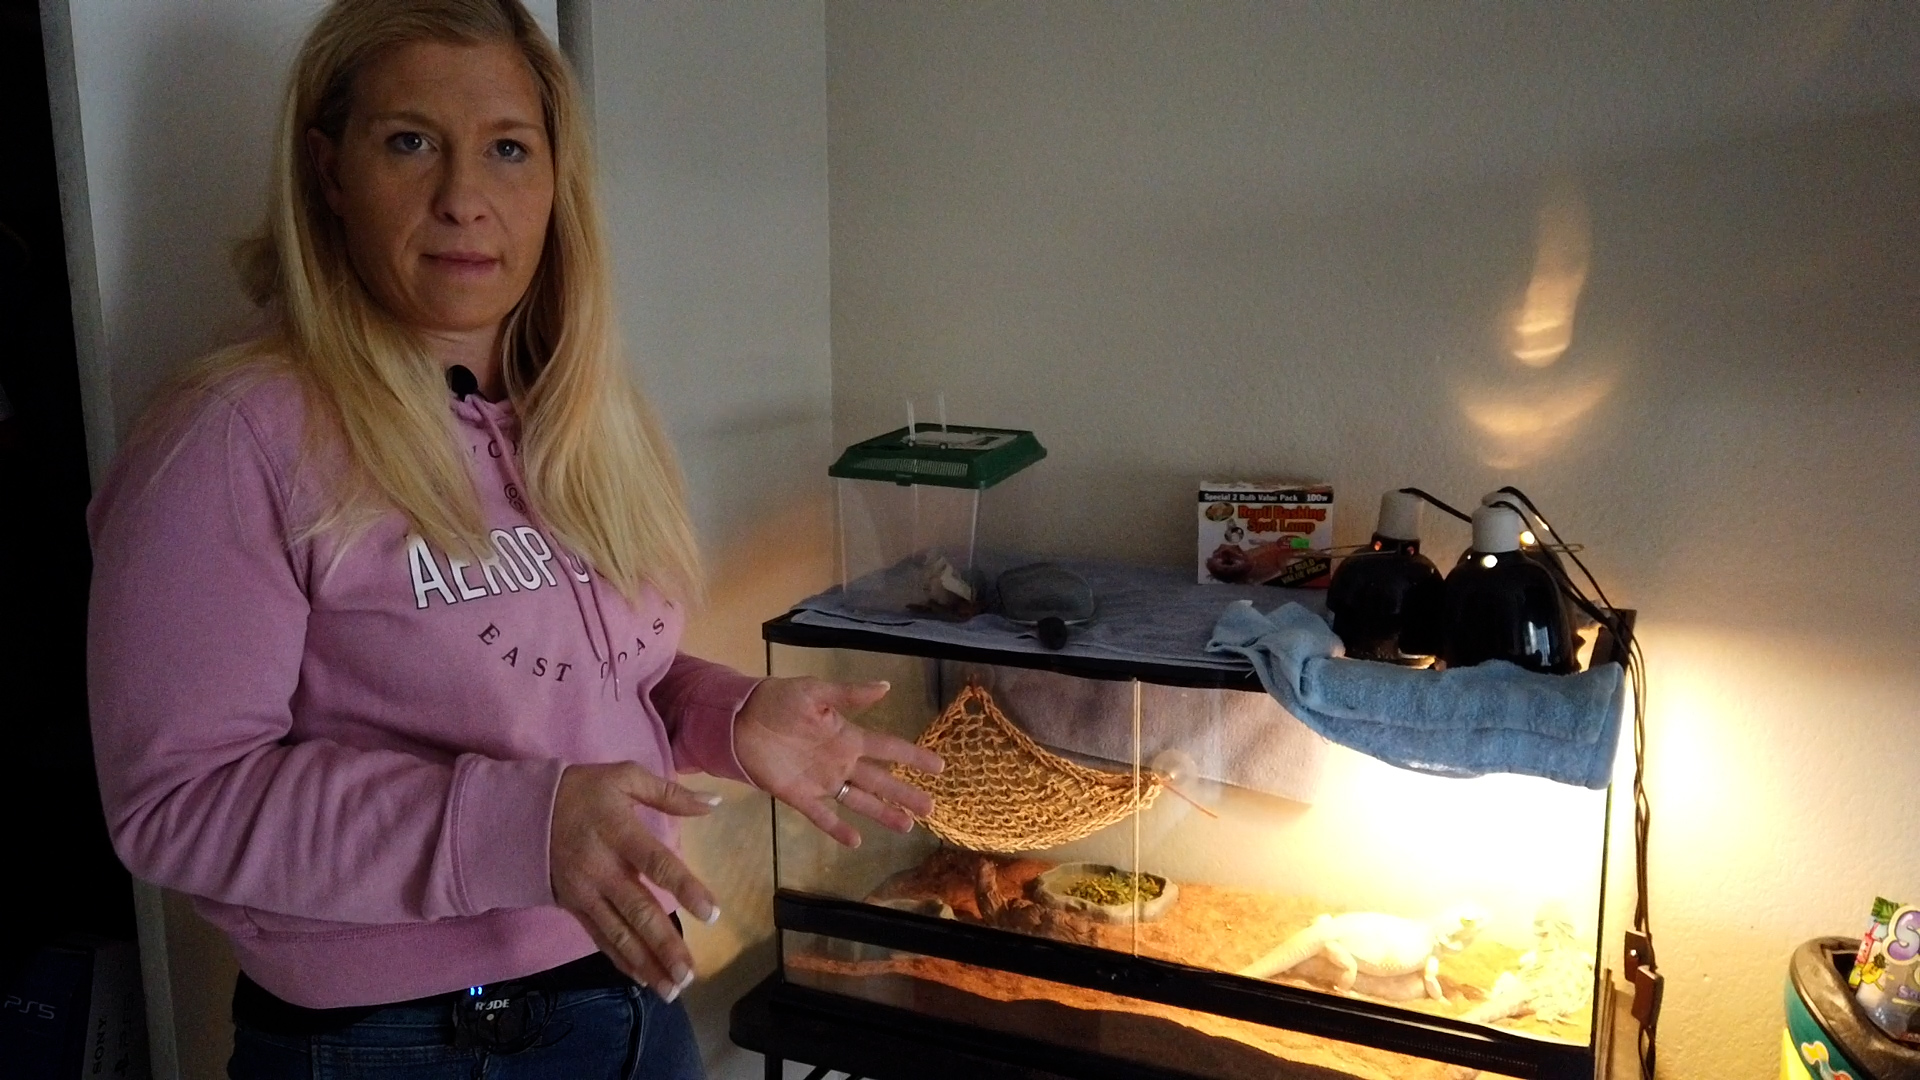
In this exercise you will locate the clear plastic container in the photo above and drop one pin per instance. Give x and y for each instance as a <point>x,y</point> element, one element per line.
<point>908,509</point>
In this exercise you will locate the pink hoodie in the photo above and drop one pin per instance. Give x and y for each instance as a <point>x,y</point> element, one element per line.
<point>348,755</point>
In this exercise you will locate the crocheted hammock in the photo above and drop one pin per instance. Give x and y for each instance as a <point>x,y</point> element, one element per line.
<point>1002,792</point>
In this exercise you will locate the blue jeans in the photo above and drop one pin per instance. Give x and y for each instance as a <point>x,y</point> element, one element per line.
<point>627,1034</point>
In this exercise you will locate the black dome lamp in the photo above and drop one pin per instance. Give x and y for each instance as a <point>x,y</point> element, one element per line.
<point>1385,599</point>
<point>1530,544</point>
<point>1501,603</point>
<point>1532,526</point>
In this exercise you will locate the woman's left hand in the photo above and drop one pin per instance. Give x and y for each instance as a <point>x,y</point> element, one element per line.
<point>796,743</point>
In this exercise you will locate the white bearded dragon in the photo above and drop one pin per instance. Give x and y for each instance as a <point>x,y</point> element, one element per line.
<point>1370,943</point>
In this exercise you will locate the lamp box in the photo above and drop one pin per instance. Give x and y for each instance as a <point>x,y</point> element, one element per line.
<point>1276,533</point>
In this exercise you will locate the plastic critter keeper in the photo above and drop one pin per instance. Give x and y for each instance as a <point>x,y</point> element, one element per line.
<point>908,504</point>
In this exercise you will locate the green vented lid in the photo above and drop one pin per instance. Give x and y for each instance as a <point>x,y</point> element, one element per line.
<point>953,455</point>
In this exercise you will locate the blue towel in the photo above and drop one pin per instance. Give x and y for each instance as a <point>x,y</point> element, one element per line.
<point>1492,717</point>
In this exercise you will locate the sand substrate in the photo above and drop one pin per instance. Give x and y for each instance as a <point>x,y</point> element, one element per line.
<point>1210,926</point>
<point>1196,1043</point>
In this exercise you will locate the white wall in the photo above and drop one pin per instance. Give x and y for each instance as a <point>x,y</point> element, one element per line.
<point>714,169</point>
<point>163,113</point>
<point>1209,239</point>
<point>174,105</point>
<point>712,135</point>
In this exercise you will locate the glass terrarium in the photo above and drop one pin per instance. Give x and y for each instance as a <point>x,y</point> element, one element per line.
<point>1154,864</point>
<point>908,505</point>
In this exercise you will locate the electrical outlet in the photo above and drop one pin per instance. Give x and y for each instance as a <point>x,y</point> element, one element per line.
<point>1648,985</point>
<point>1639,950</point>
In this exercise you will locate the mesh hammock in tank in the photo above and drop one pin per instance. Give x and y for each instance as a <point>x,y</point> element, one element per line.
<point>1001,791</point>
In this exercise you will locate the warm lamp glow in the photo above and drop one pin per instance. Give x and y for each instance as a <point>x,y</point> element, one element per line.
<point>1533,398</point>
<point>1523,420</point>
<point>1452,841</point>
<point>1489,561</point>
<point>1543,327</point>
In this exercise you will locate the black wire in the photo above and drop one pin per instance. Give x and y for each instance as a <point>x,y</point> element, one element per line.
<point>1569,588</point>
<point>1547,527</point>
<point>1532,519</point>
<point>1600,608</point>
<point>1436,502</point>
<point>1636,667</point>
<point>1642,826</point>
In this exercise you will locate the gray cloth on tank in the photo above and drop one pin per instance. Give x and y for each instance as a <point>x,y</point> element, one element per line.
<point>1150,613</point>
<point>1233,736</point>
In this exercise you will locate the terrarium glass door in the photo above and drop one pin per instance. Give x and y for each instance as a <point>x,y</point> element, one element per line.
<point>1475,899</point>
<point>1189,831</point>
<point>1025,837</point>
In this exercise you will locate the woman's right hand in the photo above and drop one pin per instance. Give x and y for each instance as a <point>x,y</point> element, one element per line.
<point>600,852</point>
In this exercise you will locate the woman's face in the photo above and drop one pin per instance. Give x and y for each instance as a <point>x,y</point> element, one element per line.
<point>443,180</point>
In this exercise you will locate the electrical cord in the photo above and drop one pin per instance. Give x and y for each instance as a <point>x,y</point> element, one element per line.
<point>1601,610</point>
<point>1416,492</point>
<point>1604,612</point>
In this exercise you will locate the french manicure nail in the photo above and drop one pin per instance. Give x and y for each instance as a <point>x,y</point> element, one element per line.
<point>707,797</point>
<point>713,914</point>
<point>666,991</point>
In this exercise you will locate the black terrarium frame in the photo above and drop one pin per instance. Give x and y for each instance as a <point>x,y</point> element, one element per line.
<point>782,1018</point>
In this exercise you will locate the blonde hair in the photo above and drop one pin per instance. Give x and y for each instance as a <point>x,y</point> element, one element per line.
<point>598,470</point>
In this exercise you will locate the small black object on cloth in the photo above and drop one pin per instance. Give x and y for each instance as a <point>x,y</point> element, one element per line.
<point>1047,595</point>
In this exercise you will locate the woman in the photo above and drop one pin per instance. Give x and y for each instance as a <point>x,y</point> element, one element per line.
<point>383,658</point>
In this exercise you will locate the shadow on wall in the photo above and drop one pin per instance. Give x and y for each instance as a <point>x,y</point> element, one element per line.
<point>202,969</point>
<point>743,476</point>
<point>188,183</point>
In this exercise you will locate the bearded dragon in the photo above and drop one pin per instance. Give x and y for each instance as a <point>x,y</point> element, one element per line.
<point>1369,943</point>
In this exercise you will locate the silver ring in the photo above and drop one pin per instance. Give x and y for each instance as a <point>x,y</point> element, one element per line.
<point>841,795</point>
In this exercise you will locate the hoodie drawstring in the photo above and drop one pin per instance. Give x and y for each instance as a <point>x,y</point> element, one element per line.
<point>610,662</point>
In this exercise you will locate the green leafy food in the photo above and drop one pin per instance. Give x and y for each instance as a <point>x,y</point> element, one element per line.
<point>1114,888</point>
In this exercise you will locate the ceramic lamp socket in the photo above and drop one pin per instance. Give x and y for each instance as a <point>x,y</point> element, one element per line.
<point>1399,516</point>
<point>1496,529</point>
